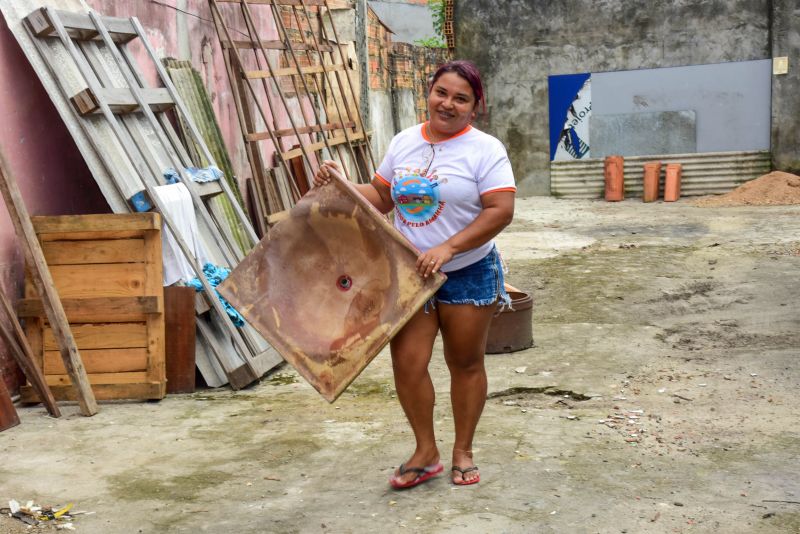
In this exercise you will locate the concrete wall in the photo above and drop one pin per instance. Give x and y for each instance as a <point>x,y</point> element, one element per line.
<point>381,122</point>
<point>518,46</point>
<point>405,110</point>
<point>408,20</point>
<point>786,87</point>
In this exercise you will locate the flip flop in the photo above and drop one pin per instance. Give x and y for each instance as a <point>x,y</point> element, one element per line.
<point>423,474</point>
<point>464,471</point>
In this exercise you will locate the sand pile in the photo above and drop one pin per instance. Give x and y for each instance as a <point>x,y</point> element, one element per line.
<point>773,189</point>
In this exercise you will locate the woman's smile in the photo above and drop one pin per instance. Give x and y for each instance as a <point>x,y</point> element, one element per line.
<point>451,106</point>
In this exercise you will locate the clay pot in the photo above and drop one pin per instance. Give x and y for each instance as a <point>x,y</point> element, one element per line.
<point>614,178</point>
<point>672,182</point>
<point>512,329</point>
<point>652,173</point>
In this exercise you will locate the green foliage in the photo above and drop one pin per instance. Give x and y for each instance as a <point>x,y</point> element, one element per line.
<point>431,42</point>
<point>437,15</point>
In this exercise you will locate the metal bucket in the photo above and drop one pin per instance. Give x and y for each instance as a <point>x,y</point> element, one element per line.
<point>512,329</point>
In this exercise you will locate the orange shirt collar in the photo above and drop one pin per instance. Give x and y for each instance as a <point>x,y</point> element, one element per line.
<point>425,134</point>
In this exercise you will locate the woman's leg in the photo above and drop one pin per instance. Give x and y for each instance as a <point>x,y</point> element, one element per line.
<point>464,331</point>
<point>411,353</point>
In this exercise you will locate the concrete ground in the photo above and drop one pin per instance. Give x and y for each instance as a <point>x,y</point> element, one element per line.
<point>660,396</point>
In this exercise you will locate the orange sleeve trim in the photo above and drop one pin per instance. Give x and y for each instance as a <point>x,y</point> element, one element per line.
<point>509,189</point>
<point>382,179</point>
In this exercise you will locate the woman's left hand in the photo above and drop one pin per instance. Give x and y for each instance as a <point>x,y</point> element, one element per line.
<point>432,260</point>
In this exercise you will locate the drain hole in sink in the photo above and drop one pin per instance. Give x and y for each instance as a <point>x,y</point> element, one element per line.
<point>344,283</point>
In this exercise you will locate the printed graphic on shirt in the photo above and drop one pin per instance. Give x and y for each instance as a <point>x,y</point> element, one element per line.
<point>416,197</point>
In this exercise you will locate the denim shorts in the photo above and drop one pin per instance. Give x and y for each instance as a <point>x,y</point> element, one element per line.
<point>480,283</point>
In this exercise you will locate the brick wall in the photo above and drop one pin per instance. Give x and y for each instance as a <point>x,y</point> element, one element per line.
<point>412,67</point>
<point>299,31</point>
<point>379,44</point>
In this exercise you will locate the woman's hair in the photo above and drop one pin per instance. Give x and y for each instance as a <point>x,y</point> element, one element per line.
<point>467,70</point>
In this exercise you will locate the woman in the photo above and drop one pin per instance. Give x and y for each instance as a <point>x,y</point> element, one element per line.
<point>452,190</point>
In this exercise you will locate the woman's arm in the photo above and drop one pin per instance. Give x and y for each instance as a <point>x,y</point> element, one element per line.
<point>497,213</point>
<point>377,193</point>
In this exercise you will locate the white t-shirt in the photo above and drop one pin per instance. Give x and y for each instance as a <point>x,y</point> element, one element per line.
<point>437,187</point>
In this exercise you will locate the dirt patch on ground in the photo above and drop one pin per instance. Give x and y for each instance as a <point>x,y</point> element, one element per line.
<point>773,189</point>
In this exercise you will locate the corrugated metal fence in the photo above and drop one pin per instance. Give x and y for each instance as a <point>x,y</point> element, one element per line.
<point>703,174</point>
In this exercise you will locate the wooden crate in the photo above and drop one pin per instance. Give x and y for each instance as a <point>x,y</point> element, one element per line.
<point>108,273</point>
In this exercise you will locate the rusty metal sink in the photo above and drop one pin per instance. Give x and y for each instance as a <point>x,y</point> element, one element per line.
<point>330,285</point>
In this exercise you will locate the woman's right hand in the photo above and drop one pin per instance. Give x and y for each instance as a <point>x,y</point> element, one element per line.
<point>323,175</point>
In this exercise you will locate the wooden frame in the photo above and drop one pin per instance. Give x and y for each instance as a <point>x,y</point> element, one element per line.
<point>107,270</point>
<point>317,70</point>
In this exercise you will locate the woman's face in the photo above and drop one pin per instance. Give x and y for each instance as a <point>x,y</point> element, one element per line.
<point>451,104</point>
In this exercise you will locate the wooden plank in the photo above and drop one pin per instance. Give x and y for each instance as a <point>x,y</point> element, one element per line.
<point>114,360</point>
<point>208,189</point>
<point>93,251</point>
<point>120,101</point>
<point>255,204</point>
<point>33,333</point>
<point>292,71</point>
<point>298,167</point>
<point>245,115</point>
<point>201,304</point>
<point>189,87</point>
<point>46,288</point>
<point>179,339</point>
<point>99,280</point>
<point>239,224</point>
<point>96,310</point>
<point>277,2</point>
<point>260,136</point>
<point>103,336</point>
<point>268,359</point>
<point>238,377</point>
<point>21,351</point>
<point>139,391</point>
<point>104,224</point>
<point>154,285</point>
<point>86,236</point>
<point>273,45</point>
<point>135,377</point>
<point>79,26</point>
<point>314,147</point>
